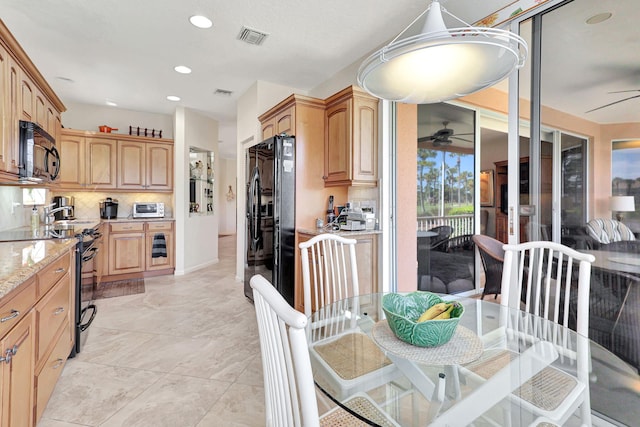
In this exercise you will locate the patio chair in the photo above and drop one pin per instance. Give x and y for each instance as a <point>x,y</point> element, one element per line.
<point>439,242</point>
<point>544,280</point>
<point>614,313</point>
<point>605,230</point>
<point>290,397</point>
<point>492,256</point>
<point>329,275</point>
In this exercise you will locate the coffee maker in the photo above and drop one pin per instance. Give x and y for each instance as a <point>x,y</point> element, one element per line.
<point>64,214</point>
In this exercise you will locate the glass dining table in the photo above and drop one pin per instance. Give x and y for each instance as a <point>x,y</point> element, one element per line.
<point>466,380</point>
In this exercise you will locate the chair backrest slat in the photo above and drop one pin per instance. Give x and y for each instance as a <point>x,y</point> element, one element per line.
<point>290,398</point>
<point>545,283</point>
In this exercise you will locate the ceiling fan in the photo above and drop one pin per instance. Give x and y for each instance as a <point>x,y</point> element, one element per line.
<point>619,101</point>
<point>444,136</point>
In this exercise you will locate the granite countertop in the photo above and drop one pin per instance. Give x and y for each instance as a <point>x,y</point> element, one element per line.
<point>22,259</point>
<point>128,219</point>
<point>343,233</point>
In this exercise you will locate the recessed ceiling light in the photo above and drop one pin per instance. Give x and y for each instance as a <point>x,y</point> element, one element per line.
<point>182,69</point>
<point>600,17</point>
<point>173,98</point>
<point>111,103</point>
<point>201,21</point>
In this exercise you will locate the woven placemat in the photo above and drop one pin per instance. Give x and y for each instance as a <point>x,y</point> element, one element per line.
<point>546,390</point>
<point>463,347</point>
<point>352,355</point>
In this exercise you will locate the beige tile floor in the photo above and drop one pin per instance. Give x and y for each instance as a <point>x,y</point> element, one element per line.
<point>184,353</point>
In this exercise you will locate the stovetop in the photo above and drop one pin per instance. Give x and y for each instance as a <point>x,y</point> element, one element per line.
<point>63,230</point>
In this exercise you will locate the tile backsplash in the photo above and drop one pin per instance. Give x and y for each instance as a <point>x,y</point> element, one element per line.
<point>87,204</point>
<point>14,214</point>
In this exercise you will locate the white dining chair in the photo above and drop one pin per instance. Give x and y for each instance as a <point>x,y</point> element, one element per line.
<point>290,398</point>
<point>539,278</point>
<point>329,275</point>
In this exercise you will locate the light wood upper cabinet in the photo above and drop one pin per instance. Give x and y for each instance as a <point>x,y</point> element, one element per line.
<point>5,146</point>
<point>9,161</point>
<point>281,122</point>
<point>27,94</point>
<point>72,167</point>
<point>131,165</point>
<point>40,110</point>
<point>145,165</point>
<point>159,173</point>
<point>351,139</point>
<point>92,160</point>
<point>268,128</point>
<point>101,163</point>
<point>24,95</point>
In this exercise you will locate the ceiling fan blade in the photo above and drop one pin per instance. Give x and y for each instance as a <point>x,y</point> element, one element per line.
<point>461,139</point>
<point>426,139</point>
<point>614,103</point>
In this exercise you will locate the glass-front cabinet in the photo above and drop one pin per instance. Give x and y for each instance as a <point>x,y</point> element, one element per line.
<point>201,180</point>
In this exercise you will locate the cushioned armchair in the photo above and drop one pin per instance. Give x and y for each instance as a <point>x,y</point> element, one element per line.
<point>605,231</point>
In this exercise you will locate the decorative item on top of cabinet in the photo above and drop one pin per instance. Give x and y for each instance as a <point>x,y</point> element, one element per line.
<point>351,139</point>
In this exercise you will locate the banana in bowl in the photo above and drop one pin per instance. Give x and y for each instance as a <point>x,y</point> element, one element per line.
<point>422,318</point>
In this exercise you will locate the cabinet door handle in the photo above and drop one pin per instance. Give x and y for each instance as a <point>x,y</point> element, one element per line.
<point>9,354</point>
<point>60,270</point>
<point>57,363</point>
<point>59,310</point>
<point>13,315</point>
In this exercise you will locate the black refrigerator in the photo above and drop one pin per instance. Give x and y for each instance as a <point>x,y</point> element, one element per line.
<point>270,212</point>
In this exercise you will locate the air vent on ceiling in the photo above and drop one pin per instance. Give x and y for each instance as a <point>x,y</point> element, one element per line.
<point>251,36</point>
<point>222,92</point>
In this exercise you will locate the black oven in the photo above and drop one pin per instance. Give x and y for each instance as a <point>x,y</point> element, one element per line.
<point>85,310</point>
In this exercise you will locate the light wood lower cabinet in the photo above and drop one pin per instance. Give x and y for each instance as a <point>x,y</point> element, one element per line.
<point>366,258</point>
<point>160,233</point>
<point>126,248</point>
<point>35,341</point>
<point>128,251</point>
<point>17,368</point>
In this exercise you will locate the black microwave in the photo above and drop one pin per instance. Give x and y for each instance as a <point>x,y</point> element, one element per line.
<point>39,158</point>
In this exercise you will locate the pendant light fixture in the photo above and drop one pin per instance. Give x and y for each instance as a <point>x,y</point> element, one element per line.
<point>441,64</point>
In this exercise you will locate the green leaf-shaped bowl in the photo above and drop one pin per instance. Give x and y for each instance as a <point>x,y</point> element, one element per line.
<point>404,310</point>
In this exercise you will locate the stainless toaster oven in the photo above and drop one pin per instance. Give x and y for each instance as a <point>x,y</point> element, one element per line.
<point>148,210</point>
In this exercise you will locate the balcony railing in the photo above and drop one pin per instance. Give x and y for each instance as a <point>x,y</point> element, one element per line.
<point>461,224</point>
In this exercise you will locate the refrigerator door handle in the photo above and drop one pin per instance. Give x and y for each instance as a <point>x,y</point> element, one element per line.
<point>253,213</point>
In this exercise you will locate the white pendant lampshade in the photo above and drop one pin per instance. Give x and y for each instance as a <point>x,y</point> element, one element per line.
<point>441,64</point>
